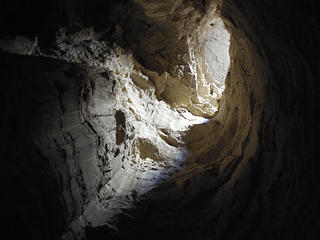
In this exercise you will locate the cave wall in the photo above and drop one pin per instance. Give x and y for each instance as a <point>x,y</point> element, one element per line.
<point>38,197</point>
<point>251,171</point>
<point>254,175</point>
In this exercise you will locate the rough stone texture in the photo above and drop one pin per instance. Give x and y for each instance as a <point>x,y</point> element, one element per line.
<point>96,123</point>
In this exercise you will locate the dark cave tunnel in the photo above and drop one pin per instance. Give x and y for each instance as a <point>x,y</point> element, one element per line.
<point>111,129</point>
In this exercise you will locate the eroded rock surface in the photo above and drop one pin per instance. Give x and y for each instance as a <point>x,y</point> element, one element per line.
<point>110,120</point>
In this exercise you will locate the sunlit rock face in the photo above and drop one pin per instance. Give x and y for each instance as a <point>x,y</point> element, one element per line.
<point>119,123</point>
<point>188,47</point>
<point>140,137</point>
<point>158,119</point>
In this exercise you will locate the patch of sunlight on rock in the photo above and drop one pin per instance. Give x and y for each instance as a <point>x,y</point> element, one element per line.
<point>144,134</point>
<point>212,61</point>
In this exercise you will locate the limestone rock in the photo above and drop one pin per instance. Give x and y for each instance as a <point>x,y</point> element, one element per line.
<point>159,119</point>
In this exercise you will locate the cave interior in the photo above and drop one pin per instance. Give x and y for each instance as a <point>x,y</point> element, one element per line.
<point>159,119</point>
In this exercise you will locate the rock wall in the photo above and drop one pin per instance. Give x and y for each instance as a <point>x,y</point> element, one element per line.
<point>252,172</point>
<point>103,122</point>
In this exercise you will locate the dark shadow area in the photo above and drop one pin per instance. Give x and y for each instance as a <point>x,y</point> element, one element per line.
<point>32,204</point>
